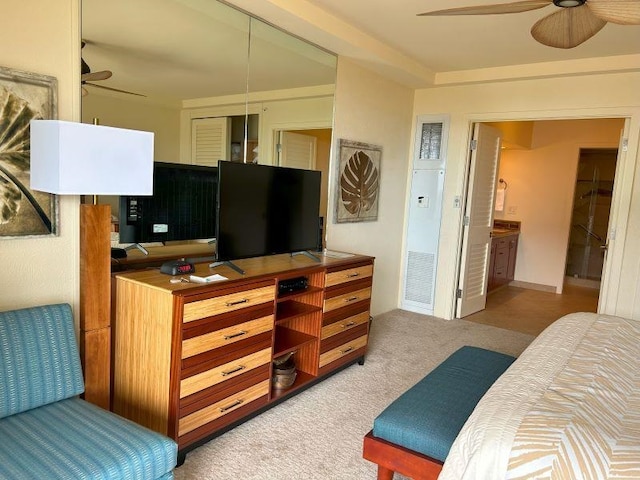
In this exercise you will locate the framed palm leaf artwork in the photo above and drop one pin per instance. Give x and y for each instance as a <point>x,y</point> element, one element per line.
<point>24,96</point>
<point>358,182</point>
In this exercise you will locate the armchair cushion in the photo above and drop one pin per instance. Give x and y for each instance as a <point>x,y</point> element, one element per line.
<point>73,439</point>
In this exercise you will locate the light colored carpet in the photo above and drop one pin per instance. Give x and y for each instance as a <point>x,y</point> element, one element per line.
<point>318,433</point>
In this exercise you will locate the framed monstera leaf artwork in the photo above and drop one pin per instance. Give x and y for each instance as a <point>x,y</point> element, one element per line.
<point>23,97</point>
<point>358,182</point>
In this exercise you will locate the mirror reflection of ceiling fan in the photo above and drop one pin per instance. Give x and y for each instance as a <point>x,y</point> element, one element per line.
<point>576,21</point>
<point>87,77</point>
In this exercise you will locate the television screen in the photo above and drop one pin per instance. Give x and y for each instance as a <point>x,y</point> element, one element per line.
<point>182,207</point>
<point>265,210</point>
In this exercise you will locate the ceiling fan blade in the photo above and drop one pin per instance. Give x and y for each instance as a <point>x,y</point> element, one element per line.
<point>567,28</point>
<point>115,89</point>
<point>85,92</point>
<point>622,12</point>
<point>93,76</point>
<point>513,7</point>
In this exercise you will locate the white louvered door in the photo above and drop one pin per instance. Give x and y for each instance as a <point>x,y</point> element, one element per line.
<point>476,243</point>
<point>210,140</point>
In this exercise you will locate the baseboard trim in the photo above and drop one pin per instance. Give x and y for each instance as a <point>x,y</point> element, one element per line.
<point>582,282</point>
<point>533,286</point>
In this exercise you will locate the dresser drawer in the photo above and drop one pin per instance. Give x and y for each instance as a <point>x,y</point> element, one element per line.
<point>227,303</point>
<point>224,372</point>
<point>348,275</point>
<point>225,336</point>
<point>222,407</point>
<point>342,350</point>
<point>346,299</point>
<point>344,325</point>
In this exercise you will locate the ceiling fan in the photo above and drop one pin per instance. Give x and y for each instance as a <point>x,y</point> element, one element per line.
<point>88,76</point>
<point>576,21</point>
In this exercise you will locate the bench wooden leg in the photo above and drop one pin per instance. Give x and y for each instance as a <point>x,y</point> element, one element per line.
<point>384,473</point>
<point>392,458</point>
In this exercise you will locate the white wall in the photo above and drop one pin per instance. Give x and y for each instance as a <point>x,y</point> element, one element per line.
<point>374,110</point>
<point>541,185</point>
<point>43,37</point>
<point>162,120</point>
<point>609,95</point>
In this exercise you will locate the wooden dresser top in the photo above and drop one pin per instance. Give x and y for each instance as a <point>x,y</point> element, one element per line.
<point>256,268</point>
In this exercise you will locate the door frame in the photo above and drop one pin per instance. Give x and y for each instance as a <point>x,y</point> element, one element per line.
<point>620,205</point>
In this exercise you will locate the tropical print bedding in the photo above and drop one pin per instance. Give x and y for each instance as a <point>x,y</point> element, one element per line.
<point>568,408</point>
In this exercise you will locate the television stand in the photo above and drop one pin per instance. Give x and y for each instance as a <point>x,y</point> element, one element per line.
<point>229,264</point>
<point>307,253</point>
<point>138,246</point>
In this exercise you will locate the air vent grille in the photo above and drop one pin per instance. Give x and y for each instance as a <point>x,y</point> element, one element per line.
<point>420,270</point>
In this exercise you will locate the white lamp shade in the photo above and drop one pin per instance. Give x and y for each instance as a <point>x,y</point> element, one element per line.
<point>72,158</point>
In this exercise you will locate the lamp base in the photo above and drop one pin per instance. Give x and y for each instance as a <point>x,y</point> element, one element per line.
<point>95,302</point>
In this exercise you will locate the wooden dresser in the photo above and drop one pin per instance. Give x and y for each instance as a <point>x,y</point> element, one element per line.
<point>193,360</point>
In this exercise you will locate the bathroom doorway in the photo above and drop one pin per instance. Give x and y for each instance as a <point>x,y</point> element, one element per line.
<point>590,216</point>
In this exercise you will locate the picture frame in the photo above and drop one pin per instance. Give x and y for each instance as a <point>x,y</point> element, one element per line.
<point>358,182</point>
<point>24,96</point>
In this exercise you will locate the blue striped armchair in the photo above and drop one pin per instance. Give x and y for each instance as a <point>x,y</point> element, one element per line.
<point>46,430</point>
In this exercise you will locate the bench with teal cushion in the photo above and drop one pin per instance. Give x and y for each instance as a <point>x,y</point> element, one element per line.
<point>425,420</point>
<point>46,430</point>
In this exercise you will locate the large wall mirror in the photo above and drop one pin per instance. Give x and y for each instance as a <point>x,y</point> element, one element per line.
<point>211,82</point>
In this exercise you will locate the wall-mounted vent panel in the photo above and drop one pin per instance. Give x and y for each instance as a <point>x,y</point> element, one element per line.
<point>423,232</point>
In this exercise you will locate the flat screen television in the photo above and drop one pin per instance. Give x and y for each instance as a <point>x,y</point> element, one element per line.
<point>265,210</point>
<point>182,207</point>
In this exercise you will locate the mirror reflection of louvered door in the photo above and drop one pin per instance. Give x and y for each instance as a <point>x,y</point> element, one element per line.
<point>297,150</point>
<point>210,140</point>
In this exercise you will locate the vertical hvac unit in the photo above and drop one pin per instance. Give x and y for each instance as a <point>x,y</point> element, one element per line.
<point>425,212</point>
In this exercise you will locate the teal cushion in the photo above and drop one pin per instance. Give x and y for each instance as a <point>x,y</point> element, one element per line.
<point>73,439</point>
<point>39,359</point>
<point>428,417</point>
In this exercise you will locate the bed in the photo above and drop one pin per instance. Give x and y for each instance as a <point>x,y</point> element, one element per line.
<point>569,407</point>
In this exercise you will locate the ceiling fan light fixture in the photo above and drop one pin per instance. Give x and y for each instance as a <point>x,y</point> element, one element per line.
<point>568,3</point>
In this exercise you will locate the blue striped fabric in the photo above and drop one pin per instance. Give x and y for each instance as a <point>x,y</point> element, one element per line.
<point>73,439</point>
<point>39,359</point>
<point>428,417</point>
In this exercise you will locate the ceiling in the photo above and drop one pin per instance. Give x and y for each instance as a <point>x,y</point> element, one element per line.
<point>422,51</point>
<point>448,43</point>
<point>385,35</point>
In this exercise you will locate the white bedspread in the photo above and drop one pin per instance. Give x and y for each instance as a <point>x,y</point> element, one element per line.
<point>568,408</point>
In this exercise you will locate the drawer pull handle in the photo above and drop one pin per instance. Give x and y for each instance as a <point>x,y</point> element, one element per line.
<point>350,324</point>
<point>233,405</point>
<point>238,302</point>
<point>237,369</point>
<point>351,275</point>
<point>234,335</point>
<point>350,299</point>
<point>346,350</point>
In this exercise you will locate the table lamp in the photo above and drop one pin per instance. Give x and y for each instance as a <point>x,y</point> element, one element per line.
<point>69,158</point>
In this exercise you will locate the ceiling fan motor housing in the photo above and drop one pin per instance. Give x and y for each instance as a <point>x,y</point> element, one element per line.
<point>568,3</point>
